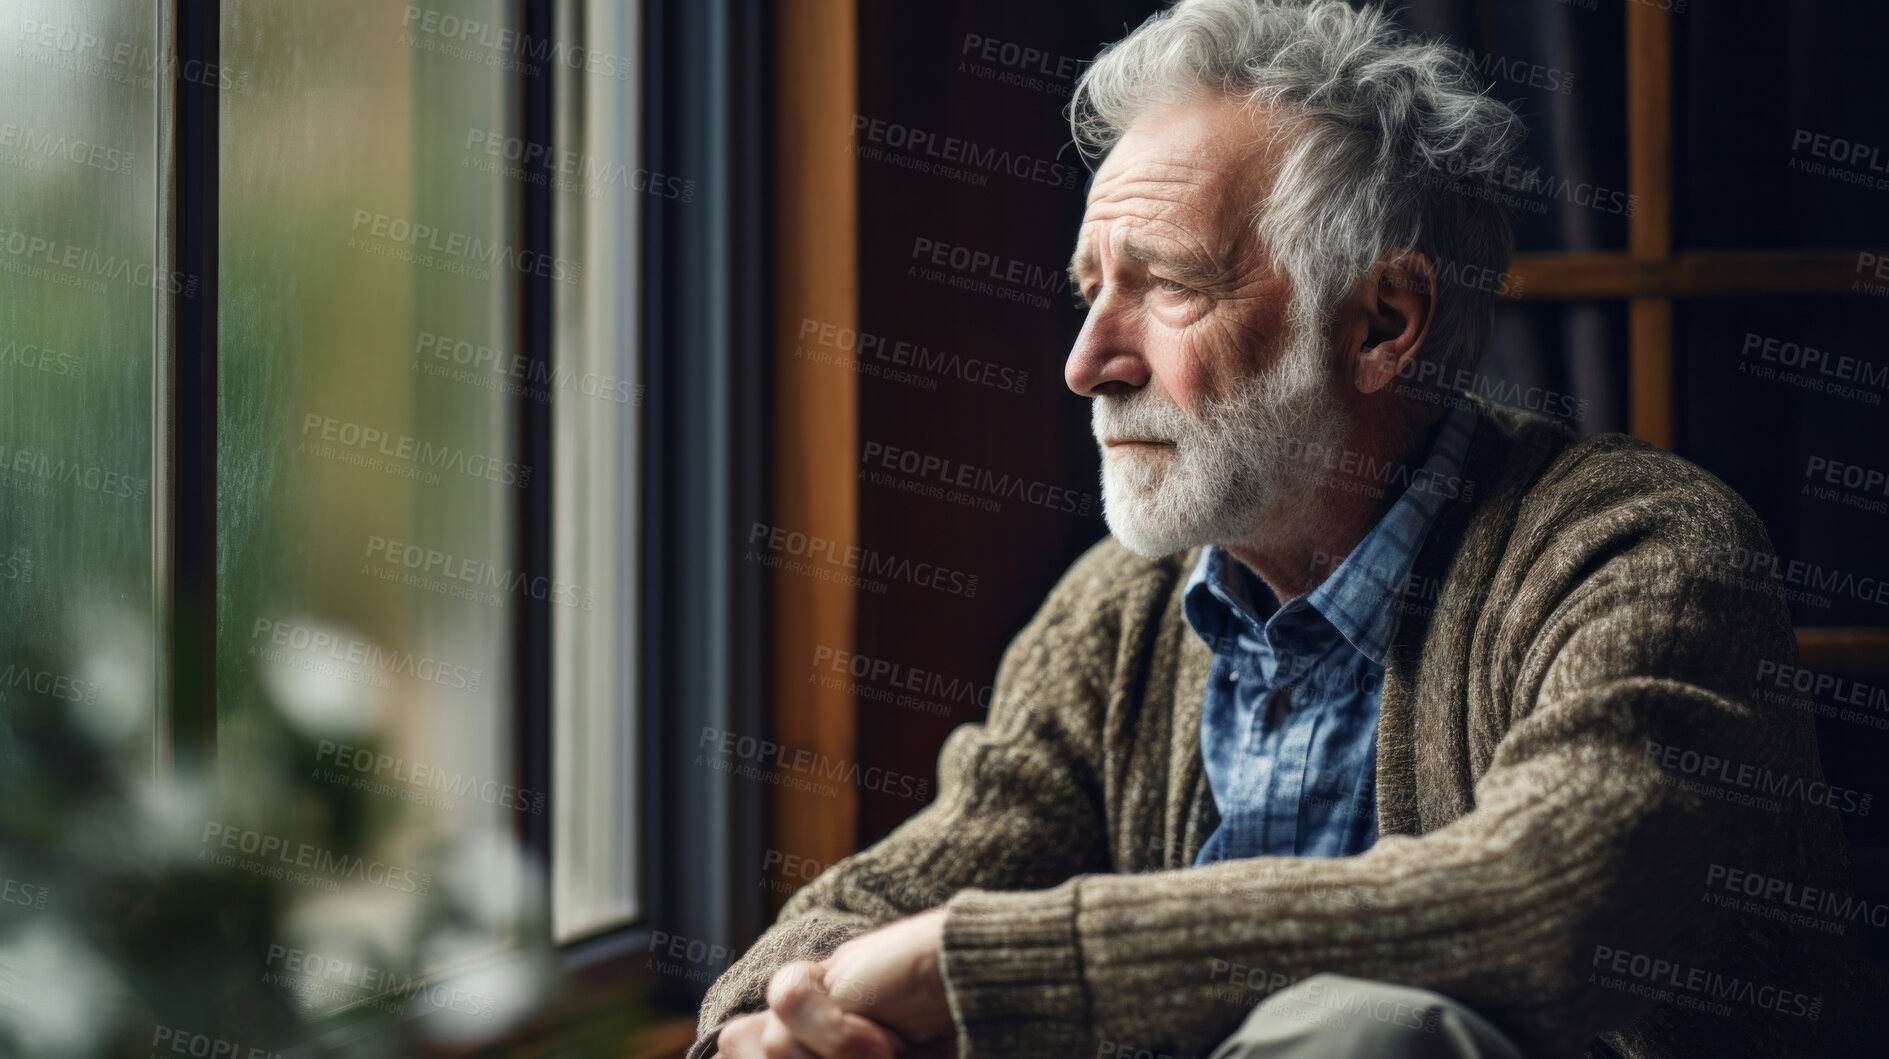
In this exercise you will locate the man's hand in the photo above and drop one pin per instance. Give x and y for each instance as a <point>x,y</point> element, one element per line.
<point>844,1006</point>
<point>764,1035</point>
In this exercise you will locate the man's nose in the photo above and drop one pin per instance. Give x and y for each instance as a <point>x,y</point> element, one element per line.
<point>1106,358</point>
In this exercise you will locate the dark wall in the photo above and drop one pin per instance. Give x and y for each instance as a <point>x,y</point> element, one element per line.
<point>1005,423</point>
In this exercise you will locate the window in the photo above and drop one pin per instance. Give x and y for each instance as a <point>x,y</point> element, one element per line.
<point>325,486</point>
<point>596,839</point>
<point>1733,236</point>
<point>372,577</point>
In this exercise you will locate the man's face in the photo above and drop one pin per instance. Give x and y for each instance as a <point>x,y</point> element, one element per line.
<point>1202,384</point>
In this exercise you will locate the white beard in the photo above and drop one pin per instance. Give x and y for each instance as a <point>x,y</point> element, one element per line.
<point>1231,473</point>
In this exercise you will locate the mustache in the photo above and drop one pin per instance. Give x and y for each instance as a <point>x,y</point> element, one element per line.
<point>1142,416</point>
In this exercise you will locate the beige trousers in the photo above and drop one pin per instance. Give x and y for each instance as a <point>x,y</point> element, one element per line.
<point>1330,1016</point>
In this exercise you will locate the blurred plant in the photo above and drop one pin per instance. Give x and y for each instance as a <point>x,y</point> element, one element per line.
<point>245,912</point>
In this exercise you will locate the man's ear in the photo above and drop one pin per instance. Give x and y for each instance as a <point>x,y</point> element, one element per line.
<point>1399,300</point>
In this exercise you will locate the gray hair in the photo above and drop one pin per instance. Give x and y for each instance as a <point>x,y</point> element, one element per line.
<point>1392,144</point>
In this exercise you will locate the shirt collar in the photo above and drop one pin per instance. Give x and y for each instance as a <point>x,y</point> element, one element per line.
<point>1220,592</point>
<point>1358,598</point>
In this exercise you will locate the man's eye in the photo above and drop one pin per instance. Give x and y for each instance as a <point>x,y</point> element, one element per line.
<point>1085,299</point>
<point>1171,286</point>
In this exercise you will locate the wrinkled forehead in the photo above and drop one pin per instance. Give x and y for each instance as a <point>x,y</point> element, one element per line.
<point>1194,172</point>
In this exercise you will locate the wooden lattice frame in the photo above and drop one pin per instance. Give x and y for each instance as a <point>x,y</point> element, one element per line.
<point>1649,276</point>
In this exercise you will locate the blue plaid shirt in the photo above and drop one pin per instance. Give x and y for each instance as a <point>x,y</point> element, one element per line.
<point>1289,731</point>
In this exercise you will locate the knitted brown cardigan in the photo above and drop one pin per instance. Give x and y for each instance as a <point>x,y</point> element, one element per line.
<point>1571,758</point>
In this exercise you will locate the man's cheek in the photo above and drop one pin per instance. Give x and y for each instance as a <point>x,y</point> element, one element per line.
<point>1234,341</point>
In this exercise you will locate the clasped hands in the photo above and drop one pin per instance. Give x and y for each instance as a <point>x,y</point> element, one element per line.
<point>879,996</point>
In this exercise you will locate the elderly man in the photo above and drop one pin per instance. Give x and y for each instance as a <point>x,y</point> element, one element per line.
<point>1386,723</point>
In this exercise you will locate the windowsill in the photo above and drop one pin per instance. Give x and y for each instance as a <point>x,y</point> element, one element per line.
<point>668,1039</point>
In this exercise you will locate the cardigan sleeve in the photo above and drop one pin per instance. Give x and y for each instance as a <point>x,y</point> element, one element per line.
<point>1019,801</point>
<point>1613,656</point>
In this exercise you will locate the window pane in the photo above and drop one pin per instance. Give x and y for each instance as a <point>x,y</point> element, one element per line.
<point>1558,65</point>
<point>1564,360</point>
<point>80,277</point>
<point>1757,165</point>
<point>79,274</point>
<point>595,852</point>
<point>368,481</point>
<point>1783,398</point>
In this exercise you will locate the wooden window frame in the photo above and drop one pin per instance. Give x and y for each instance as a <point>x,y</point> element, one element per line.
<point>1649,276</point>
